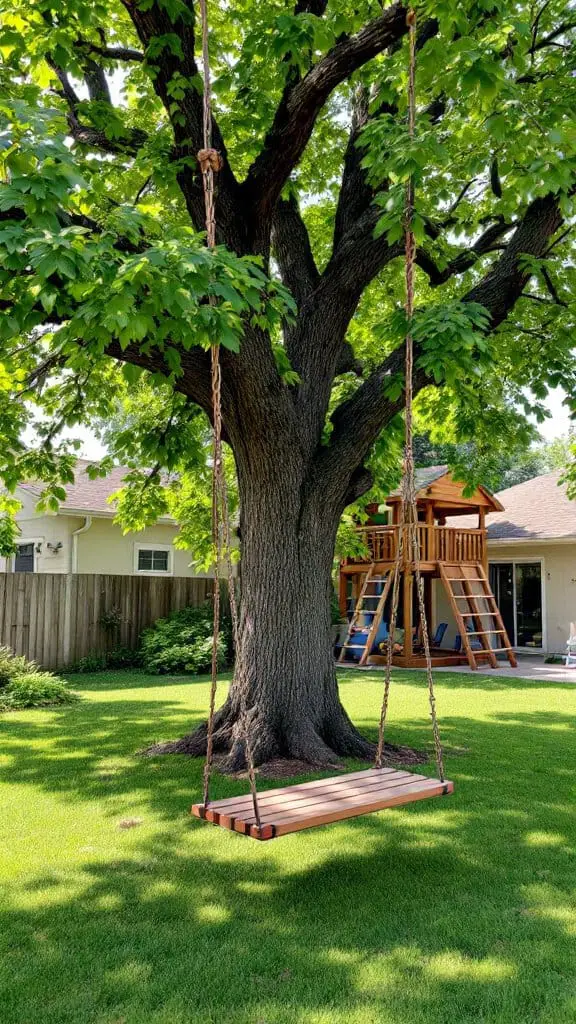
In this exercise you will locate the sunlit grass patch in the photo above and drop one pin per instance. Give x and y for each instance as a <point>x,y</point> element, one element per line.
<point>454,910</point>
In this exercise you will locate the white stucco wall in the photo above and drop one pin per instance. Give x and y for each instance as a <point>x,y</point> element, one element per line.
<point>558,584</point>
<point>105,549</point>
<point>44,529</point>
<point>102,549</point>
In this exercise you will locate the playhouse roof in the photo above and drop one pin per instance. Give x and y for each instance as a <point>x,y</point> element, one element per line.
<point>436,484</point>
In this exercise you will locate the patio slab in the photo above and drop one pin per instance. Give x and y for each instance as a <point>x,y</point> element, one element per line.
<point>528,668</point>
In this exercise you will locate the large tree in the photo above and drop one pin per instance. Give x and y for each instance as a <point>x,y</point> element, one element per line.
<point>102,265</point>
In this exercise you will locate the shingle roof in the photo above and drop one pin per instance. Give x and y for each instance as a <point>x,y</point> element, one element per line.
<point>424,477</point>
<point>86,495</point>
<point>538,509</point>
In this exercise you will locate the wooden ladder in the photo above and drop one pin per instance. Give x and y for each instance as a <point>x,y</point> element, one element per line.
<point>476,601</point>
<point>371,579</point>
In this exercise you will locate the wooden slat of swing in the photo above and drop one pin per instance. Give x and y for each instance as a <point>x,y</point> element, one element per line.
<point>294,808</point>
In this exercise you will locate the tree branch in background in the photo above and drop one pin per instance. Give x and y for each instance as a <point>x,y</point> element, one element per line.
<point>86,134</point>
<point>486,243</point>
<point>358,421</point>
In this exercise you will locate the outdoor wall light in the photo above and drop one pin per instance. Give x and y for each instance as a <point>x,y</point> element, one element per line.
<point>38,548</point>
<point>55,548</point>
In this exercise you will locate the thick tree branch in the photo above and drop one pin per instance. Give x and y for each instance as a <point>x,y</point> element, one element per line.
<point>152,21</point>
<point>360,255</point>
<point>96,82</point>
<point>123,53</point>
<point>296,115</point>
<point>316,346</point>
<point>358,421</point>
<point>292,250</point>
<point>195,380</point>
<point>355,192</point>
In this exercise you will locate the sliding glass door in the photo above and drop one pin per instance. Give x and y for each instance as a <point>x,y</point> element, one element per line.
<point>517,587</point>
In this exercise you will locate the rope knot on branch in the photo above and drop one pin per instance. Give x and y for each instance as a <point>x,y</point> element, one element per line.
<point>210,160</point>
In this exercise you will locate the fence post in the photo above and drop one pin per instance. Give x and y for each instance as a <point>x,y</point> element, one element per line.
<point>66,637</point>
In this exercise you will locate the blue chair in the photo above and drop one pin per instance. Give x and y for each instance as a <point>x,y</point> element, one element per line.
<point>436,640</point>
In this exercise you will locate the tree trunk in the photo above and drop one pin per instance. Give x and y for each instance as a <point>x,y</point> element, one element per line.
<point>284,674</point>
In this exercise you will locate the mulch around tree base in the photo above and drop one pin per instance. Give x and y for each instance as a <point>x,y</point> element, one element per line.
<point>289,768</point>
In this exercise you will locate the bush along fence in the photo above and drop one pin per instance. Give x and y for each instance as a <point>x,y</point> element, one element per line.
<point>56,620</point>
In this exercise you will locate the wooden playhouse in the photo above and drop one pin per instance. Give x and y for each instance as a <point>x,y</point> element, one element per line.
<point>454,556</point>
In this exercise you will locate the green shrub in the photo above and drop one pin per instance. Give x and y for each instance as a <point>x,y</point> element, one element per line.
<point>35,689</point>
<point>24,685</point>
<point>101,661</point>
<point>183,642</point>
<point>11,665</point>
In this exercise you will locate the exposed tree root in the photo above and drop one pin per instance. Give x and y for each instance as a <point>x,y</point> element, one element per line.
<point>300,749</point>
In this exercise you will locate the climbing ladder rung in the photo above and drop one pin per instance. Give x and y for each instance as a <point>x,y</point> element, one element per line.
<point>382,583</point>
<point>476,615</point>
<point>471,610</point>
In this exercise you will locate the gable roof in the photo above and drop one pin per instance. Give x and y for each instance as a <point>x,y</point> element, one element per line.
<point>86,496</point>
<point>538,509</point>
<point>436,484</point>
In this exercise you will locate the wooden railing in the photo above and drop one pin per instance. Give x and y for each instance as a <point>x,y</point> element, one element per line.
<point>437,544</point>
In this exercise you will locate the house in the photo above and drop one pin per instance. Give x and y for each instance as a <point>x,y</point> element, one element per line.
<point>82,537</point>
<point>532,561</point>
<point>522,541</point>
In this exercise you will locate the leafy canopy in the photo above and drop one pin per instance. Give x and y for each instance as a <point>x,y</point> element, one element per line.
<point>107,291</point>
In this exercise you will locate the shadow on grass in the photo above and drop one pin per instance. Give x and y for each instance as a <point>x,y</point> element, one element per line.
<point>132,679</point>
<point>455,910</point>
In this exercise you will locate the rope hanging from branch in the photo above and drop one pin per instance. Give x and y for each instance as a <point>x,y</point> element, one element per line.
<point>210,162</point>
<point>408,546</point>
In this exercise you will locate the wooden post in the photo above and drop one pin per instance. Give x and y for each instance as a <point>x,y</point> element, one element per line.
<point>431,545</point>
<point>408,646</point>
<point>428,604</point>
<point>484,539</point>
<point>343,593</point>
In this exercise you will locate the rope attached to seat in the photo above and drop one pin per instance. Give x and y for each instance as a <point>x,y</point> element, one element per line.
<point>210,161</point>
<point>408,545</point>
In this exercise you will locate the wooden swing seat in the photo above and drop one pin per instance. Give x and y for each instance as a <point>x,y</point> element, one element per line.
<point>294,808</point>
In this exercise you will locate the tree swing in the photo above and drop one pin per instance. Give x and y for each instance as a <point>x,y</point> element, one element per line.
<point>278,812</point>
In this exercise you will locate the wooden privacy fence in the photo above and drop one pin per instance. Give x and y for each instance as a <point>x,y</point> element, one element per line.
<point>57,619</point>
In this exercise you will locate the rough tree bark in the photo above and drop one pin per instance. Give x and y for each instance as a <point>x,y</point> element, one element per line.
<point>284,671</point>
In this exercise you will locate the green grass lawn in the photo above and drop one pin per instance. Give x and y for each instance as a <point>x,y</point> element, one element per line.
<point>455,910</point>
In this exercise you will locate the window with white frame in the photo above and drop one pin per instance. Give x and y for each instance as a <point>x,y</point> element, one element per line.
<point>153,558</point>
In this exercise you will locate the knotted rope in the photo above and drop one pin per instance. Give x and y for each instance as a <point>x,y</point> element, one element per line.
<point>408,545</point>
<point>211,163</point>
